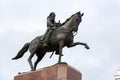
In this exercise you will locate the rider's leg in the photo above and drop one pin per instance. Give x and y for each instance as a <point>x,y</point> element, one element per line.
<point>47,37</point>
<point>43,37</point>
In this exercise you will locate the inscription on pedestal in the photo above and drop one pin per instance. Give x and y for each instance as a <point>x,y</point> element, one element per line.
<point>62,73</point>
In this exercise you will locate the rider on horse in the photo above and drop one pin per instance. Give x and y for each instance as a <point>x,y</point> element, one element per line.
<point>62,37</point>
<point>51,26</point>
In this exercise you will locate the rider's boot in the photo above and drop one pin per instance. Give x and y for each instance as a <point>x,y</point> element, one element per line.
<point>46,40</point>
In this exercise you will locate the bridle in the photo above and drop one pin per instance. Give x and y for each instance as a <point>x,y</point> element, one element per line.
<point>75,33</point>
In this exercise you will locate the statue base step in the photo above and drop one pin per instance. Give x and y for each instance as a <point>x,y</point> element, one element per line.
<point>55,72</point>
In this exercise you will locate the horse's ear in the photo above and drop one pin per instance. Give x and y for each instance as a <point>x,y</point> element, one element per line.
<point>82,14</point>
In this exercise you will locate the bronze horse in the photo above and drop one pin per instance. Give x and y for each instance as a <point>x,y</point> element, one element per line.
<point>61,37</point>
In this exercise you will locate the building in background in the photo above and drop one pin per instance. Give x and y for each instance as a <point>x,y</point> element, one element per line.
<point>117,76</point>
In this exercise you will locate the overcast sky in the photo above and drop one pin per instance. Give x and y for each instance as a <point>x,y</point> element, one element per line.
<point>23,20</point>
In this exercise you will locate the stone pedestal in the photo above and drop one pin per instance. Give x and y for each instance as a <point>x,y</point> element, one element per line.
<point>55,72</point>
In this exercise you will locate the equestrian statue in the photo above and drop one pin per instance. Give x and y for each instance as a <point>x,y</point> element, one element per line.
<point>56,37</point>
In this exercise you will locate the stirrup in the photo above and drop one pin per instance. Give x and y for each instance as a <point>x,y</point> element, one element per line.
<point>45,45</point>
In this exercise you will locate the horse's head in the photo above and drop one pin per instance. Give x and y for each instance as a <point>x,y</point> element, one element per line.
<point>73,22</point>
<point>76,19</point>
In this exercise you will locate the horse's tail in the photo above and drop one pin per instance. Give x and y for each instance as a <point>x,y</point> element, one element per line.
<point>22,51</point>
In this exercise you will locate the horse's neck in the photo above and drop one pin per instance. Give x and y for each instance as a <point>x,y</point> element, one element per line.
<point>68,25</point>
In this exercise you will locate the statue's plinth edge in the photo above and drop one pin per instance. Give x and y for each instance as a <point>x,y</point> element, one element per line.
<point>55,72</point>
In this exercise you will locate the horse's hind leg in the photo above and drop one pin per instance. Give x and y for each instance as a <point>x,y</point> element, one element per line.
<point>30,61</point>
<point>39,58</point>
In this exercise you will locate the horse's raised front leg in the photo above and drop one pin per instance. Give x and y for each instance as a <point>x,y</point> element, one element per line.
<point>61,45</point>
<point>78,43</point>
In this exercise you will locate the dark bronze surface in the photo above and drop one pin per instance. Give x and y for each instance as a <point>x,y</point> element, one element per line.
<point>59,38</point>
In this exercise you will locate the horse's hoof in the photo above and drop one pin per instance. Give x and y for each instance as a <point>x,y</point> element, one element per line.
<point>61,55</point>
<point>32,70</point>
<point>87,47</point>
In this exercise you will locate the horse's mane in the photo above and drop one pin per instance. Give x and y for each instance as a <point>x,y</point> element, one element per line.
<point>67,19</point>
